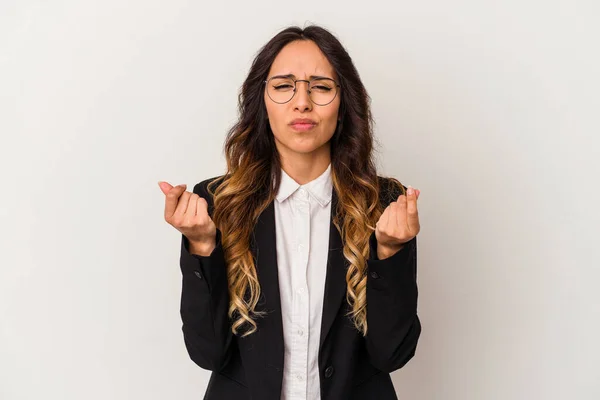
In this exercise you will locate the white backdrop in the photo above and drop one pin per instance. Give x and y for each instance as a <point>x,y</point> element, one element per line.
<point>486,107</point>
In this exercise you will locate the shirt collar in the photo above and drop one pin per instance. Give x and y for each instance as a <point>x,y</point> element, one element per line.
<point>319,188</point>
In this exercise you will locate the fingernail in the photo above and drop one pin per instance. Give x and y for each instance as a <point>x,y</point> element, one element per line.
<point>410,190</point>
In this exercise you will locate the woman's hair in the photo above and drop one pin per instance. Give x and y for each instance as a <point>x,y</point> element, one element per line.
<point>254,174</point>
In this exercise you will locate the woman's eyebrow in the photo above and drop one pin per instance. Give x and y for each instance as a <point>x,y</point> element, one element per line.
<point>294,76</point>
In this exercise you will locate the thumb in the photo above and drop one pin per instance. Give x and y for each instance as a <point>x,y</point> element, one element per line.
<point>165,187</point>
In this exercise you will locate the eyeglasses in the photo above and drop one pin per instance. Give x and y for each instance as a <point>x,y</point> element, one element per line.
<point>321,90</point>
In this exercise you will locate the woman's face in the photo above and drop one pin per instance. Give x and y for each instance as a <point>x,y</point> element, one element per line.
<point>302,59</point>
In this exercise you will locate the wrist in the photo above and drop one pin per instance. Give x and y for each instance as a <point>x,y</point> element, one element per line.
<point>384,251</point>
<point>202,248</point>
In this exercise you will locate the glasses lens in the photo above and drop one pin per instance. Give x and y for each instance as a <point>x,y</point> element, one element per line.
<point>322,91</point>
<point>281,90</point>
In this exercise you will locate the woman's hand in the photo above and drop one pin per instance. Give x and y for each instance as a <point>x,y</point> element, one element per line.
<point>398,224</point>
<point>188,213</point>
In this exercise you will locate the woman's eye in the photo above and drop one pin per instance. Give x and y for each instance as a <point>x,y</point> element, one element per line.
<point>319,87</point>
<point>282,87</point>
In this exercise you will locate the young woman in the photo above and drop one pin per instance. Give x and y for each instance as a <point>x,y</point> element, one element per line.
<point>299,264</point>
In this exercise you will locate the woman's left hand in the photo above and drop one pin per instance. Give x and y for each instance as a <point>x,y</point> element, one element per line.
<point>399,222</point>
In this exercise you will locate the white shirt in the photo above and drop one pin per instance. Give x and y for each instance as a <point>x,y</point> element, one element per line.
<point>302,215</point>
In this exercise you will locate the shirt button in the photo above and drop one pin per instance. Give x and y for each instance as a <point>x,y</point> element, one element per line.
<point>300,377</point>
<point>300,247</point>
<point>374,275</point>
<point>300,332</point>
<point>329,372</point>
<point>300,290</point>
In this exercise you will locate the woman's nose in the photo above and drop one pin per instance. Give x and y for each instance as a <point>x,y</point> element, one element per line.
<point>302,97</point>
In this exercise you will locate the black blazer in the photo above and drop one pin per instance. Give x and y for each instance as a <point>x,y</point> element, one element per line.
<point>351,366</point>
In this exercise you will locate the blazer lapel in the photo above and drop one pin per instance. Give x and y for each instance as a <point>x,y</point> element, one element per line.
<point>265,250</point>
<point>271,326</point>
<point>335,280</point>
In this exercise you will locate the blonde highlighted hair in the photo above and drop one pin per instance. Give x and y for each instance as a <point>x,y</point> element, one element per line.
<point>254,172</point>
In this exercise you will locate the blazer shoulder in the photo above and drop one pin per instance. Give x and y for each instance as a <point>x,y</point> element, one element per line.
<point>201,187</point>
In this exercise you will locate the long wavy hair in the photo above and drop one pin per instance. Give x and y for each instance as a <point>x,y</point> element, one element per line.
<point>253,177</point>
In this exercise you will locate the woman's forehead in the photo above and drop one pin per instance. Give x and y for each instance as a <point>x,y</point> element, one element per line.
<point>302,59</point>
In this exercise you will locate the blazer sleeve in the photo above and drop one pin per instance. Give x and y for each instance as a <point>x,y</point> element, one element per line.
<point>205,301</point>
<point>393,325</point>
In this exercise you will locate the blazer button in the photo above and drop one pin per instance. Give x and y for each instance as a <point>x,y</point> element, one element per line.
<point>374,275</point>
<point>329,372</point>
<point>198,274</point>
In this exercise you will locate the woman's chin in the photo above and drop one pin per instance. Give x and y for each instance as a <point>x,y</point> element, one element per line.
<point>307,147</point>
<point>303,144</point>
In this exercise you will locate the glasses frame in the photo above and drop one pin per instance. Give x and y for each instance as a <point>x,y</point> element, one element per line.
<point>337,85</point>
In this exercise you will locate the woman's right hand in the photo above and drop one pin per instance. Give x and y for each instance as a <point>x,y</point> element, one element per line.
<point>188,213</point>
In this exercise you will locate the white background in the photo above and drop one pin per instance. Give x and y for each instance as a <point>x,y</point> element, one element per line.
<point>489,108</point>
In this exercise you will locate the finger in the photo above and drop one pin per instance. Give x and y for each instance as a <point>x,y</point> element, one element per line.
<point>411,201</point>
<point>190,212</point>
<point>201,207</point>
<point>164,186</point>
<point>182,205</point>
<point>383,219</point>
<point>402,202</point>
<point>411,211</point>
<point>172,199</point>
<point>395,213</point>
<point>401,217</point>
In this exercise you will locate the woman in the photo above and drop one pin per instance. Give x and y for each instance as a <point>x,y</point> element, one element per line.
<point>299,263</point>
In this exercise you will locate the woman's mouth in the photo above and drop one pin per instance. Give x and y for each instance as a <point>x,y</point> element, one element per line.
<point>302,126</point>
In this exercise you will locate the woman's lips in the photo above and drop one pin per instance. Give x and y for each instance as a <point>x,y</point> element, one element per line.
<point>303,127</point>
